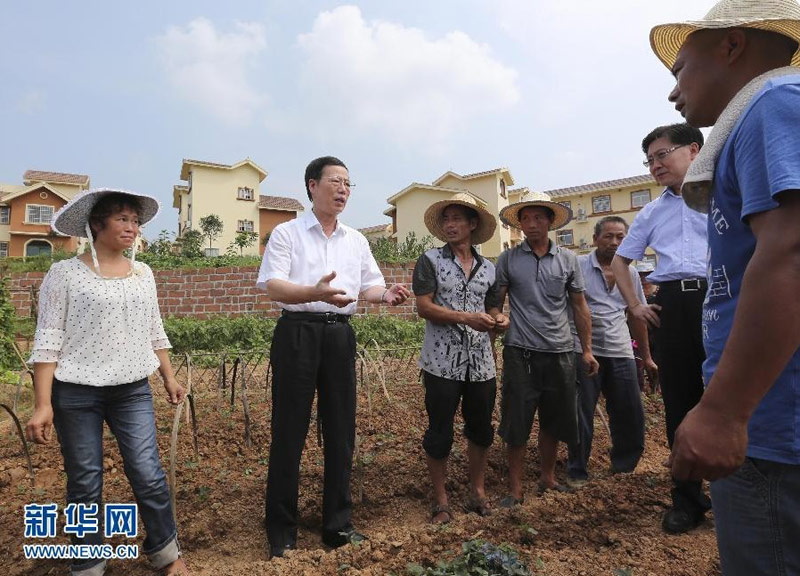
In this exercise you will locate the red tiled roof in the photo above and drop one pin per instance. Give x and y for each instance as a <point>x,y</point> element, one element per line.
<point>598,186</point>
<point>373,229</point>
<point>279,203</point>
<point>55,177</point>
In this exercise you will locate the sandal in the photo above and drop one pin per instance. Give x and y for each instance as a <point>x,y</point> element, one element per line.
<point>510,501</point>
<point>479,506</point>
<point>438,510</point>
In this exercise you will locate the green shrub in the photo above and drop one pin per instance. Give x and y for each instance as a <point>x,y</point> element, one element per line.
<point>222,333</point>
<point>8,359</point>
<point>388,250</point>
<point>477,558</point>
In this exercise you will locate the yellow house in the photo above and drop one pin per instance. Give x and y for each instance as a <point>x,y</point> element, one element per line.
<point>490,188</point>
<point>232,193</point>
<point>26,211</point>
<point>591,202</point>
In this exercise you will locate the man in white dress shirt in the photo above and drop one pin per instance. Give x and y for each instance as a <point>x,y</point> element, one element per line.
<point>317,268</point>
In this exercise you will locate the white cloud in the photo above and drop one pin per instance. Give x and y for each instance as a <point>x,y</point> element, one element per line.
<point>395,80</point>
<point>211,68</point>
<point>31,102</point>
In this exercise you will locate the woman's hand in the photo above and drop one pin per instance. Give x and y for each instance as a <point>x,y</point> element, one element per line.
<point>40,426</point>
<point>175,392</point>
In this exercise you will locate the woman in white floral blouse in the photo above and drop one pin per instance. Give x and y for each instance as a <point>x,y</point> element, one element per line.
<point>99,336</point>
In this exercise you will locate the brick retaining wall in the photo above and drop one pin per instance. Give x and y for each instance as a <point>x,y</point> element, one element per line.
<point>207,292</point>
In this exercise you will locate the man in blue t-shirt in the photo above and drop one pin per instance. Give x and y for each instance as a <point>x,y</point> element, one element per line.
<point>732,72</point>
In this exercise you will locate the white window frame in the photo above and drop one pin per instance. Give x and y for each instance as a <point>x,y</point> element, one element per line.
<point>245,226</point>
<point>595,199</point>
<point>641,194</point>
<point>245,193</point>
<point>3,249</point>
<point>5,214</point>
<point>560,237</point>
<point>38,220</point>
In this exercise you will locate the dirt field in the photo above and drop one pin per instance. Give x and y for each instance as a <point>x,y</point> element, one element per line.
<point>612,526</point>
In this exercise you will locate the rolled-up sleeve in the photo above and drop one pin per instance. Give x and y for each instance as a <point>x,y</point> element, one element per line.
<point>52,319</point>
<point>277,259</point>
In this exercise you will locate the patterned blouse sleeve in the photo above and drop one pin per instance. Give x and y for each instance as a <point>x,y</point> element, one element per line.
<point>52,320</point>
<point>158,336</point>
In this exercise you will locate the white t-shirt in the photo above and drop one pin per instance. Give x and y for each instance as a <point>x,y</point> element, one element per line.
<point>100,331</point>
<point>299,252</point>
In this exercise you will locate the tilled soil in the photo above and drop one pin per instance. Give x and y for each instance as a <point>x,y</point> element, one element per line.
<point>611,526</point>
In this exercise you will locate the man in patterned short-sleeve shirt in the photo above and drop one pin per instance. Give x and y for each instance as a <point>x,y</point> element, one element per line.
<point>456,294</point>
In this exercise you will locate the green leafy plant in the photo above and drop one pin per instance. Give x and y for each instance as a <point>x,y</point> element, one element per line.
<point>477,558</point>
<point>245,239</point>
<point>388,250</point>
<point>190,243</point>
<point>8,359</point>
<point>211,226</point>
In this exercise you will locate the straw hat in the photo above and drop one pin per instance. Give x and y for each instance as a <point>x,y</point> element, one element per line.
<point>781,16</point>
<point>73,217</point>
<point>510,214</point>
<point>486,221</point>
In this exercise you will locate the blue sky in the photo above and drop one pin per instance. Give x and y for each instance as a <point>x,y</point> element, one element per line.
<point>561,93</point>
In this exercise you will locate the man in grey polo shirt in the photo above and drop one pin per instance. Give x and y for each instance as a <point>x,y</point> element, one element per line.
<point>611,344</point>
<point>541,280</point>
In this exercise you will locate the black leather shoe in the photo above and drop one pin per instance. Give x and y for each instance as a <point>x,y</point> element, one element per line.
<point>677,521</point>
<point>278,551</point>
<point>337,539</point>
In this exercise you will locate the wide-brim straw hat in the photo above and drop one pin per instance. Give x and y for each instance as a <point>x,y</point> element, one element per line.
<point>486,220</point>
<point>71,219</point>
<point>780,16</point>
<point>510,214</point>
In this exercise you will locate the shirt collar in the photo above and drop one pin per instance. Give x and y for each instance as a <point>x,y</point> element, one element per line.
<point>311,221</point>
<point>669,192</point>
<point>594,261</point>
<point>552,248</point>
<point>447,252</point>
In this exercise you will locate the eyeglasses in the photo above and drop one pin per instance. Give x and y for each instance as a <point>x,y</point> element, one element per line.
<point>660,155</point>
<point>338,181</point>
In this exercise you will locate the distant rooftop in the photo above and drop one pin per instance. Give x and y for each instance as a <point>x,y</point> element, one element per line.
<point>373,229</point>
<point>32,176</point>
<point>280,203</point>
<point>644,179</point>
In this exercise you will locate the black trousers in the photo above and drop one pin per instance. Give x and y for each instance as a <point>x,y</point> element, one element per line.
<point>680,356</point>
<point>310,357</point>
<point>618,382</point>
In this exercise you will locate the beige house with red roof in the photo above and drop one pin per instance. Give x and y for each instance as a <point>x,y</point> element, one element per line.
<point>490,188</point>
<point>26,211</point>
<point>232,192</point>
<point>590,202</point>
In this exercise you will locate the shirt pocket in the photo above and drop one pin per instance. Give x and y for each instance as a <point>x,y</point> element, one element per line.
<point>554,285</point>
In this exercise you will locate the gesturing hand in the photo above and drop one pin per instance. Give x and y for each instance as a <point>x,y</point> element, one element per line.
<point>326,293</point>
<point>396,295</point>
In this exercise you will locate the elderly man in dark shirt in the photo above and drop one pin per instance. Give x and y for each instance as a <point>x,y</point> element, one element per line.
<point>456,294</point>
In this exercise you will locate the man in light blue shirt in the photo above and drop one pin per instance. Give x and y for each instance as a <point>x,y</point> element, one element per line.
<point>617,378</point>
<point>678,236</point>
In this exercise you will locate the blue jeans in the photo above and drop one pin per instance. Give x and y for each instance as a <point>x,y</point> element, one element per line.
<point>757,516</point>
<point>79,413</point>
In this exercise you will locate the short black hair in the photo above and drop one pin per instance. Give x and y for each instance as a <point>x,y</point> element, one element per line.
<point>316,166</point>
<point>681,134</point>
<point>110,204</point>
<point>598,227</point>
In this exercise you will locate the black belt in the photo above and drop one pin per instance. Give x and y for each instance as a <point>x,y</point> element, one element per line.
<point>686,284</point>
<point>326,317</point>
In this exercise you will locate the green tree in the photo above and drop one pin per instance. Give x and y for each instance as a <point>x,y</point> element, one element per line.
<point>162,246</point>
<point>190,243</point>
<point>388,250</point>
<point>8,360</point>
<point>244,239</point>
<point>211,226</point>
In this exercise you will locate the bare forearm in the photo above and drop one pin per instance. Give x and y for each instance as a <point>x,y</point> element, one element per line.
<point>619,266</point>
<point>638,329</point>
<point>165,365</point>
<point>764,336</point>
<point>374,295</point>
<point>439,314</point>
<point>291,293</point>
<point>583,325</point>
<point>43,374</point>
